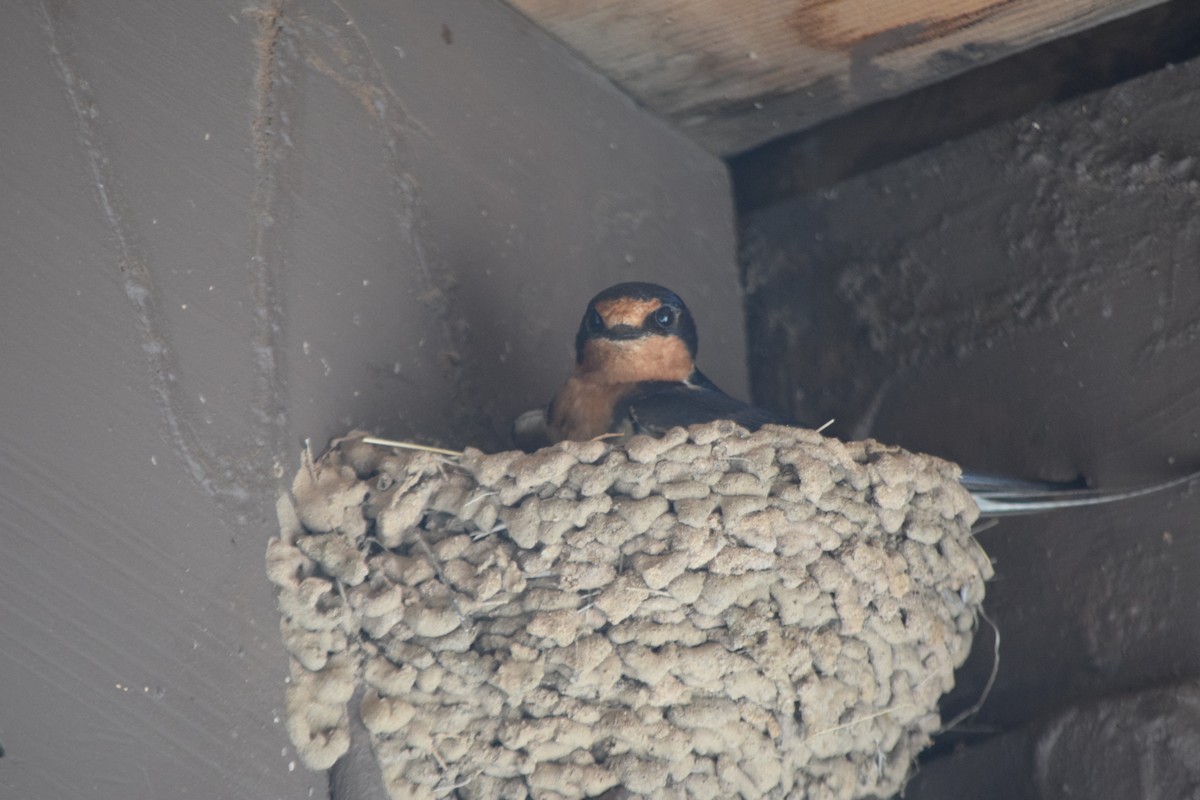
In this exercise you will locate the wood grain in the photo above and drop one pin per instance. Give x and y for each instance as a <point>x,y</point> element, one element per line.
<point>735,74</point>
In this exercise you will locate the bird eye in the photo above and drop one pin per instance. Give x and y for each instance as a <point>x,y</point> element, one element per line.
<point>664,317</point>
<point>593,320</point>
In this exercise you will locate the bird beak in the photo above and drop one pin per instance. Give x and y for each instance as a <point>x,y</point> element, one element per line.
<point>623,332</point>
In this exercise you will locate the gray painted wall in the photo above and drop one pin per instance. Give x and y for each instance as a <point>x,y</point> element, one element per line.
<point>224,231</point>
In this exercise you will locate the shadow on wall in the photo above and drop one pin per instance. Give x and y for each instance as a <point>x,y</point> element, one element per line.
<point>1024,301</point>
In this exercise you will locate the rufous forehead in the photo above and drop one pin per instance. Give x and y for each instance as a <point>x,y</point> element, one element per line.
<point>626,310</point>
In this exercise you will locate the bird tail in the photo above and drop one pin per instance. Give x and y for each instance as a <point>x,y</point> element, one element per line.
<point>999,497</point>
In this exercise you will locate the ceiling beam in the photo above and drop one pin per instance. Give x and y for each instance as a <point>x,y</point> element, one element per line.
<point>732,74</point>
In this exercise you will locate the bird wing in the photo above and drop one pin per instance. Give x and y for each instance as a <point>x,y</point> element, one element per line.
<point>656,407</point>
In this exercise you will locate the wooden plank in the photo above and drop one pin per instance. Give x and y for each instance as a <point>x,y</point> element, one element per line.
<point>734,74</point>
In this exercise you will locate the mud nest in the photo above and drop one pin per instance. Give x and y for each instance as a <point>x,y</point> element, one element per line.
<point>710,614</point>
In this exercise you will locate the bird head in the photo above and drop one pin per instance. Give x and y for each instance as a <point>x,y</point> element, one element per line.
<point>636,332</point>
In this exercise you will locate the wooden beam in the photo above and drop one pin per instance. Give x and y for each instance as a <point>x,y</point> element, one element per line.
<point>733,74</point>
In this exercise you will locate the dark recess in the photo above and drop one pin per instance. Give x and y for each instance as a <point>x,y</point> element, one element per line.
<point>895,129</point>
<point>1000,270</point>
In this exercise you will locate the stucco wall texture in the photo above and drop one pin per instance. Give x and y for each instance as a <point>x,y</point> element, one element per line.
<point>226,228</point>
<point>1026,301</point>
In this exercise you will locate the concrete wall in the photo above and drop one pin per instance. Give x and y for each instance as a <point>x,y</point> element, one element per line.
<point>226,229</point>
<point>1026,301</point>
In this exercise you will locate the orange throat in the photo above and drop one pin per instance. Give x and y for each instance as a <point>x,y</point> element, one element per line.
<point>610,370</point>
<point>650,358</point>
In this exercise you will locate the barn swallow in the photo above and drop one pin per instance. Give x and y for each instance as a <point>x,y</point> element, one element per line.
<point>635,372</point>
